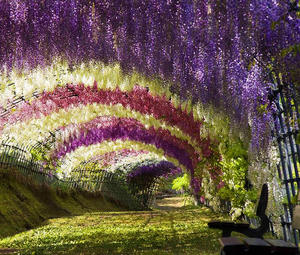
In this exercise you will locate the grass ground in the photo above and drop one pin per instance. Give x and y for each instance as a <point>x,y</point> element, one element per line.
<point>84,225</point>
<point>180,231</point>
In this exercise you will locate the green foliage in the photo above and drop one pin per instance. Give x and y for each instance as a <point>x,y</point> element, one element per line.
<point>298,139</point>
<point>38,154</point>
<point>165,184</point>
<point>295,197</point>
<point>263,108</point>
<point>293,200</point>
<point>181,183</point>
<point>235,166</point>
<point>233,147</point>
<point>293,49</point>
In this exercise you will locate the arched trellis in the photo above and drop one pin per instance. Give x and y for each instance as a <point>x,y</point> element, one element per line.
<point>140,115</point>
<point>209,51</point>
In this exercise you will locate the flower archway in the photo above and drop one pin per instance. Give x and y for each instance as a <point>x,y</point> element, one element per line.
<point>183,80</point>
<point>90,115</point>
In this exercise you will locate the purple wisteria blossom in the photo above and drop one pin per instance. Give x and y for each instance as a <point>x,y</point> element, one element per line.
<point>161,168</point>
<point>214,51</point>
<point>126,132</point>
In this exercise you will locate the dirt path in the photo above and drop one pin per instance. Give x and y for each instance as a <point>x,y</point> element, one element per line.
<point>170,203</point>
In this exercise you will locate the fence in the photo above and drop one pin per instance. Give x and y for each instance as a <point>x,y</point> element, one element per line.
<point>286,129</point>
<point>110,185</point>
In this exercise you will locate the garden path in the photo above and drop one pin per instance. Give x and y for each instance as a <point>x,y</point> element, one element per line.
<point>170,203</point>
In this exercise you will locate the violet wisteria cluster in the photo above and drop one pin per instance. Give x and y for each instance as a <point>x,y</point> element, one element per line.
<point>129,129</point>
<point>154,169</point>
<point>213,51</point>
<point>209,53</point>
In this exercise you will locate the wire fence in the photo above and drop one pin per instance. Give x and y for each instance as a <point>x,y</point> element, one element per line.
<point>18,160</point>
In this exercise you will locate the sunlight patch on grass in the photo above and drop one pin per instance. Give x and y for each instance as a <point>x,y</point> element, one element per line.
<point>182,231</point>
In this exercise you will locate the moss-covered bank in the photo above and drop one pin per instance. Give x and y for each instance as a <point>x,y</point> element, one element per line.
<point>25,204</point>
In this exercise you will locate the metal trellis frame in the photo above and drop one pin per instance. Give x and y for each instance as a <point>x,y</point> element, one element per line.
<point>285,131</point>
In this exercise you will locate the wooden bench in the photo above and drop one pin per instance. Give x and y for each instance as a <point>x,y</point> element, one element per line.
<point>256,246</point>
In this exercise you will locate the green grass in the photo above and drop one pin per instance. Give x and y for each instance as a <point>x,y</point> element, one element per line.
<point>182,231</point>
<point>82,223</point>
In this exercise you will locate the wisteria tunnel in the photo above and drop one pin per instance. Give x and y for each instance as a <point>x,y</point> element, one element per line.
<point>113,96</point>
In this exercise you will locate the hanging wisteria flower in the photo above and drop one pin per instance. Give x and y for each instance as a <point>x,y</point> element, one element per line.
<point>113,129</point>
<point>219,38</point>
<point>66,63</point>
<point>152,170</point>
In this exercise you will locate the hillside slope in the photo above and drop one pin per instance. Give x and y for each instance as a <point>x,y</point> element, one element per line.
<point>25,204</point>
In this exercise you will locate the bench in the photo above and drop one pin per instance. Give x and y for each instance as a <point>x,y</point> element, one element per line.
<point>254,244</point>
